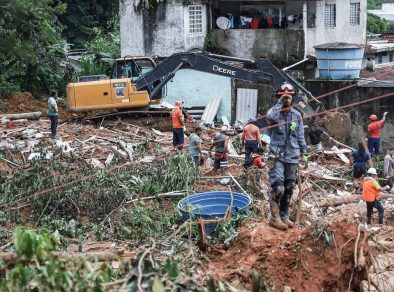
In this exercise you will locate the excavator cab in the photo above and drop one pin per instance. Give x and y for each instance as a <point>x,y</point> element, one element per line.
<point>132,68</point>
<point>114,91</point>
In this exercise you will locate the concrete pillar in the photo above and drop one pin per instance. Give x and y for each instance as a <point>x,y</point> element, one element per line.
<point>305,26</point>
<point>131,30</point>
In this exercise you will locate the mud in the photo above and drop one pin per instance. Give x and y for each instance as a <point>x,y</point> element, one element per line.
<point>293,258</point>
<point>26,102</point>
<point>337,125</point>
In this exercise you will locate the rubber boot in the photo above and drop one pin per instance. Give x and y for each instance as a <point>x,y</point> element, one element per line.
<point>284,207</point>
<point>285,219</point>
<point>275,219</point>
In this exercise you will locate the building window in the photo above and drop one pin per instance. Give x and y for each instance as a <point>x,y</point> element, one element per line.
<point>355,13</point>
<point>195,19</point>
<point>391,57</point>
<point>380,59</point>
<point>330,15</point>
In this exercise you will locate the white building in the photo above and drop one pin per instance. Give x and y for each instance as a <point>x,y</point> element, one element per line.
<point>286,30</point>
<point>387,11</point>
<point>283,31</point>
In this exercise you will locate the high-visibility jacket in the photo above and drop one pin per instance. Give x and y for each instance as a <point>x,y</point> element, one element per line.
<point>176,116</point>
<point>371,189</point>
<point>374,129</point>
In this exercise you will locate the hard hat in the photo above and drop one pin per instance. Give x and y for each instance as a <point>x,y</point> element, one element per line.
<point>373,117</point>
<point>223,128</point>
<point>178,103</point>
<point>286,88</point>
<point>372,171</point>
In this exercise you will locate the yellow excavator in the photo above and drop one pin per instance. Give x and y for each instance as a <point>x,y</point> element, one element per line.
<point>137,82</point>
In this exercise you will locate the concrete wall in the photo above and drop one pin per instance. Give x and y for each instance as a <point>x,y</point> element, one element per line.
<point>343,31</point>
<point>131,30</point>
<point>198,88</point>
<point>161,31</point>
<point>281,46</point>
<point>359,114</point>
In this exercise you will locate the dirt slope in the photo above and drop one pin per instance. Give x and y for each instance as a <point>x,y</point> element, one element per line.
<point>292,258</point>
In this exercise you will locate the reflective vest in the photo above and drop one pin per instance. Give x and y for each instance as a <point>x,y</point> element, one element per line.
<point>370,189</point>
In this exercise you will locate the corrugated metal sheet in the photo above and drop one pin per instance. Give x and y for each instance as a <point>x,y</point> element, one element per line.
<point>246,104</point>
<point>210,111</point>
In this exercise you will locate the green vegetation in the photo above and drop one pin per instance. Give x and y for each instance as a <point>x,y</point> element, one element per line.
<point>31,45</point>
<point>377,4</point>
<point>376,24</point>
<point>37,269</point>
<point>36,35</point>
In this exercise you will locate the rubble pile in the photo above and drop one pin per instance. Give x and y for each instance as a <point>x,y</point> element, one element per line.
<point>316,255</point>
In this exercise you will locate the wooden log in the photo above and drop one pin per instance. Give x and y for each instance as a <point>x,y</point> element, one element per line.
<point>336,201</point>
<point>337,142</point>
<point>128,150</point>
<point>28,116</point>
<point>119,152</point>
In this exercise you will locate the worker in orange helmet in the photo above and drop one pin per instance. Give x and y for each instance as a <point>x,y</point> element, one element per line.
<point>178,124</point>
<point>374,133</point>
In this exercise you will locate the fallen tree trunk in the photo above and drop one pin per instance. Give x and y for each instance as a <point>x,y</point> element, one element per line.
<point>336,201</point>
<point>28,116</point>
<point>338,143</point>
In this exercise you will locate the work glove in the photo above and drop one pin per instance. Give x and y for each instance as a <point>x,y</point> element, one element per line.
<point>293,127</point>
<point>304,158</point>
<point>385,113</point>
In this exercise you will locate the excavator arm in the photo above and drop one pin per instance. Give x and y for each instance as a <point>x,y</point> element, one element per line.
<point>221,65</point>
<point>200,61</point>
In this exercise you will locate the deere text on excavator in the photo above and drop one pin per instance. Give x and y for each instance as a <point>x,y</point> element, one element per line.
<point>137,82</point>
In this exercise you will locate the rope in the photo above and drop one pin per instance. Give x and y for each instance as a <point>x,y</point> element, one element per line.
<point>333,109</point>
<point>320,96</point>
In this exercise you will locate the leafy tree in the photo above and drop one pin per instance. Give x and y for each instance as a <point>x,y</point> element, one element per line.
<point>85,18</point>
<point>377,4</point>
<point>375,24</point>
<point>31,45</point>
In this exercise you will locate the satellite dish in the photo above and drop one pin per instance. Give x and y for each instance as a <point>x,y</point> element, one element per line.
<point>223,22</point>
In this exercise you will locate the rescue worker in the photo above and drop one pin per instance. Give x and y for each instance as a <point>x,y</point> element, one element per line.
<point>178,124</point>
<point>258,158</point>
<point>374,134</point>
<point>360,160</point>
<point>314,137</point>
<point>53,113</point>
<point>251,140</point>
<point>371,189</point>
<point>195,146</point>
<point>258,164</point>
<point>388,167</point>
<point>287,143</point>
<point>220,142</point>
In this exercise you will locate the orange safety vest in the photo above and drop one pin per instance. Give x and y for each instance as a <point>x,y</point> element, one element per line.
<point>176,114</point>
<point>370,191</point>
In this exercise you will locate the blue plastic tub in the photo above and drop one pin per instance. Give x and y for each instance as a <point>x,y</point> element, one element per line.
<point>212,205</point>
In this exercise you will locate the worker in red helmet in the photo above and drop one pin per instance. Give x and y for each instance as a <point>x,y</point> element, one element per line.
<point>374,134</point>
<point>286,88</point>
